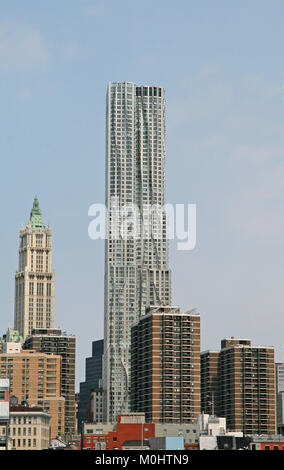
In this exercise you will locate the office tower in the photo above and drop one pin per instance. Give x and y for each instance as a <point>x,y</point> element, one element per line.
<point>34,280</point>
<point>93,379</point>
<point>136,262</point>
<point>35,380</point>
<point>53,341</point>
<point>209,382</point>
<point>165,365</point>
<point>279,375</point>
<point>246,376</point>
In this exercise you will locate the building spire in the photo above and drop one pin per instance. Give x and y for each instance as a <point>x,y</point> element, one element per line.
<point>36,217</point>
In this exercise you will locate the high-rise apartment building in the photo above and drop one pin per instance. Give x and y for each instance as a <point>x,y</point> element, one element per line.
<point>34,280</point>
<point>136,253</point>
<point>209,382</point>
<point>53,341</point>
<point>35,379</point>
<point>165,365</point>
<point>246,386</point>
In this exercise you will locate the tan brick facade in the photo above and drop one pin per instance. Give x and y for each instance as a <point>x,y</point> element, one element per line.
<point>35,379</point>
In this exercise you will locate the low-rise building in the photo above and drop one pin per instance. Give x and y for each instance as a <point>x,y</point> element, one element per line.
<point>4,414</point>
<point>29,428</point>
<point>211,425</point>
<point>267,443</point>
<point>211,429</point>
<point>129,427</point>
<point>131,431</point>
<point>189,433</point>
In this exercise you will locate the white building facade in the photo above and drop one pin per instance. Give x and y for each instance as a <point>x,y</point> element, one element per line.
<point>136,249</point>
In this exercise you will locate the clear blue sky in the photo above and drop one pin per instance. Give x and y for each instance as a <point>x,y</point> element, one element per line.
<point>221,63</point>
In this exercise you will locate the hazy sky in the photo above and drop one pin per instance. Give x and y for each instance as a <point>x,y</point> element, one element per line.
<point>221,63</point>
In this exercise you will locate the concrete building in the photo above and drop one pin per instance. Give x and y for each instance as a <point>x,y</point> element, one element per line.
<point>96,405</point>
<point>189,432</point>
<point>35,379</point>
<point>246,377</point>
<point>29,428</point>
<point>279,377</point>
<point>93,381</point>
<point>34,280</point>
<point>155,443</point>
<point>136,265</point>
<point>53,341</point>
<point>211,425</point>
<point>212,428</point>
<point>165,364</point>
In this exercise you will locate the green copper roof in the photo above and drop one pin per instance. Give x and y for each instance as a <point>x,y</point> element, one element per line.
<point>36,218</point>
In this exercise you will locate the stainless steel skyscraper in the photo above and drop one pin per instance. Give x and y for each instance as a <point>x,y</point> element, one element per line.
<point>136,266</point>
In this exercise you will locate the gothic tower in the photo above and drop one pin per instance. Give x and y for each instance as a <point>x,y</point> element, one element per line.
<point>34,280</point>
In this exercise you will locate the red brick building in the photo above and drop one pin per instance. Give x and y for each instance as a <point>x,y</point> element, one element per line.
<point>267,443</point>
<point>129,427</point>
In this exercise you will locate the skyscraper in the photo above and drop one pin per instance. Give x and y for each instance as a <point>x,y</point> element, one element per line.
<point>34,280</point>
<point>136,265</point>
<point>93,379</point>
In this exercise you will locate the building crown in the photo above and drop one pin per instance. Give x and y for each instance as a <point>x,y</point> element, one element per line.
<point>36,221</point>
